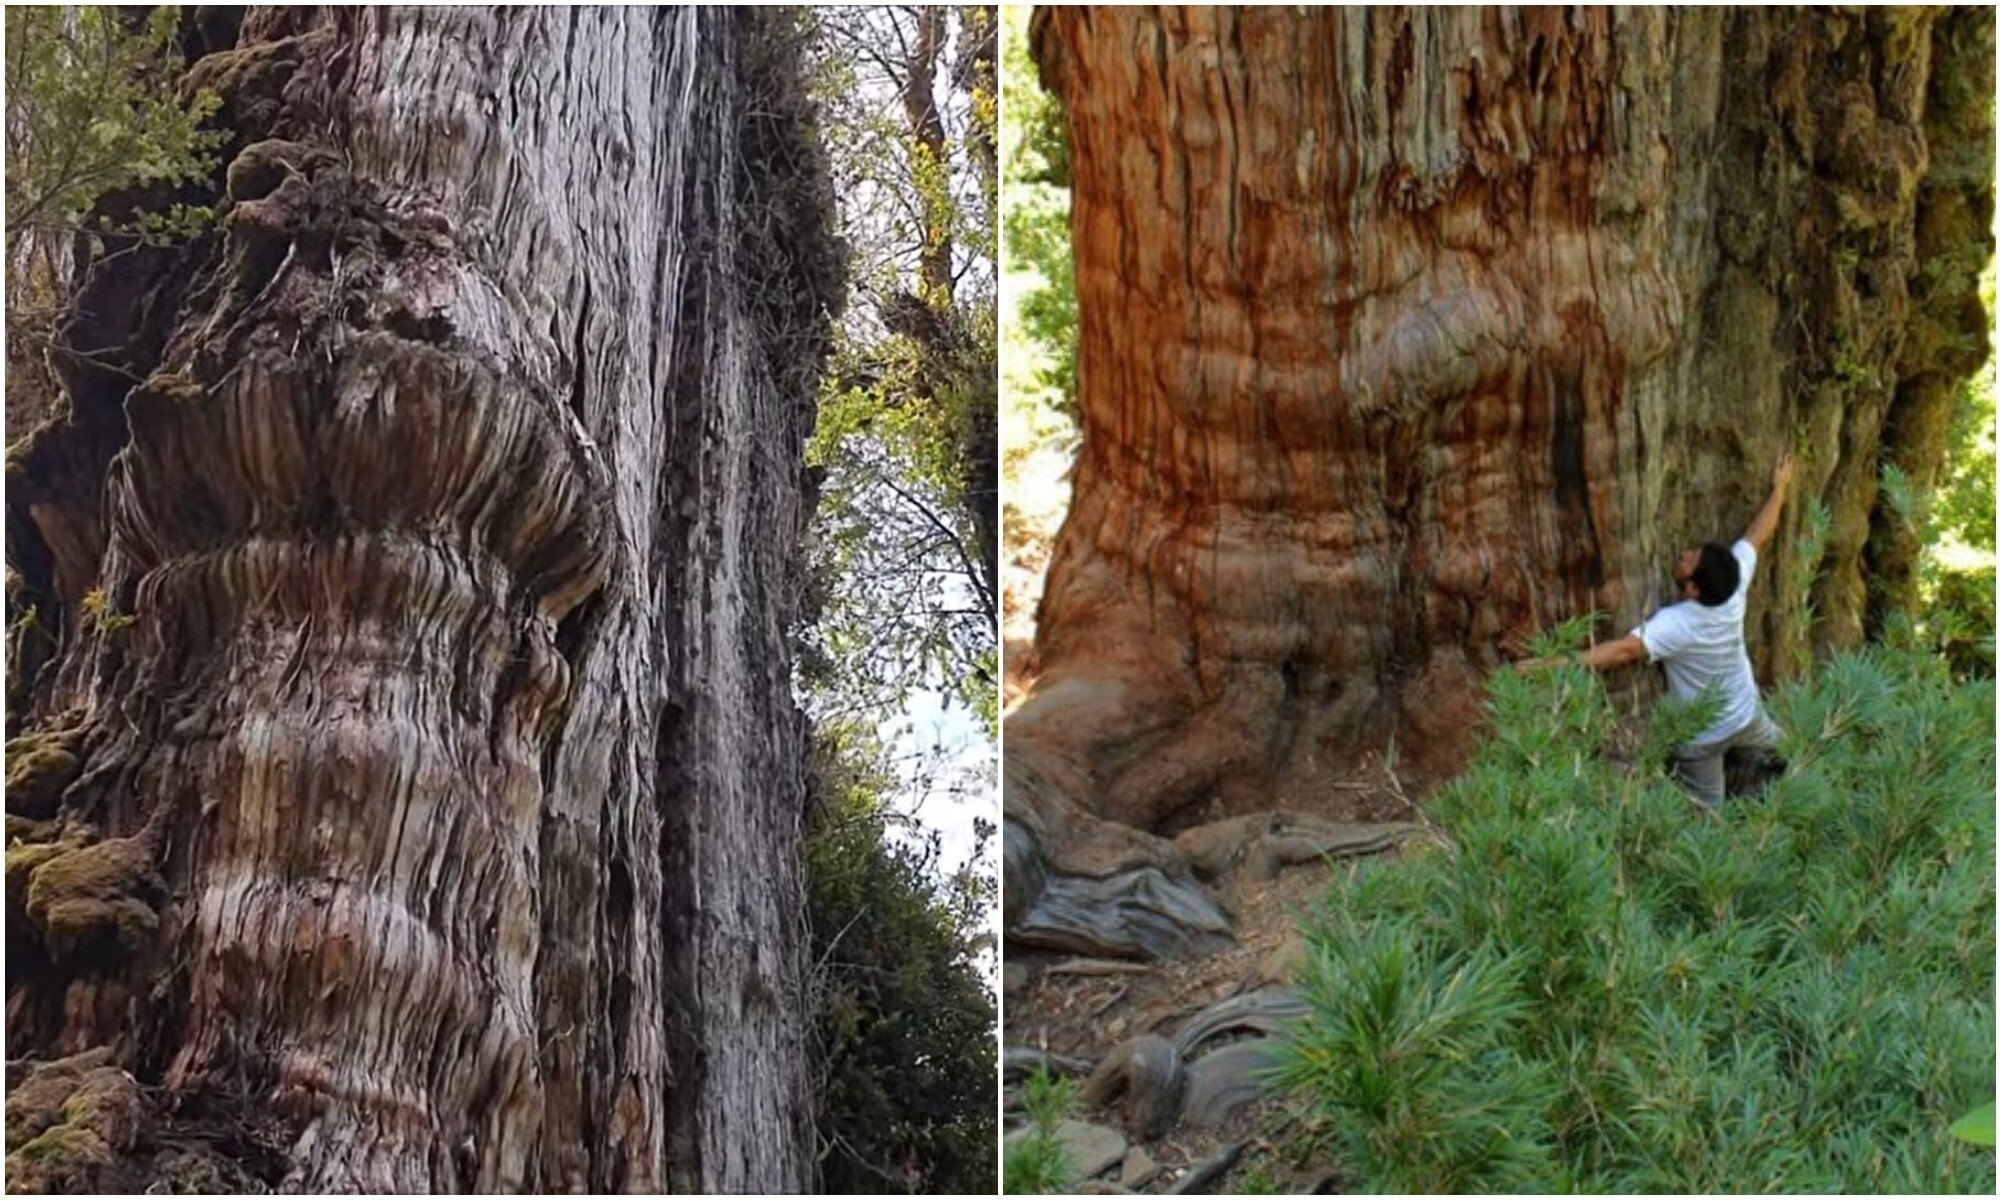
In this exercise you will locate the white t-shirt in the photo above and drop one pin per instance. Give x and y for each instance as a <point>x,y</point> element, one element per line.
<point>1703,646</point>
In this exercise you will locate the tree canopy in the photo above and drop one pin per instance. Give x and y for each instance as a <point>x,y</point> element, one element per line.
<point>902,554</point>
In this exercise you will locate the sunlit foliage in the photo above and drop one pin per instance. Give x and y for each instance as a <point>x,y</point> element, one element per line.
<point>902,547</point>
<point>92,111</point>
<point>1598,987</point>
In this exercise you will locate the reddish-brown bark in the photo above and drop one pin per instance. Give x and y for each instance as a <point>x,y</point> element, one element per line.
<point>1406,332</point>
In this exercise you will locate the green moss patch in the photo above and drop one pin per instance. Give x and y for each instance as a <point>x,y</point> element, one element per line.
<point>39,767</point>
<point>36,1103</point>
<point>104,895</point>
<point>69,1120</point>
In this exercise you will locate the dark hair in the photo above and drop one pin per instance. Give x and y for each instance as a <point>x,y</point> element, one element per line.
<point>1715,577</point>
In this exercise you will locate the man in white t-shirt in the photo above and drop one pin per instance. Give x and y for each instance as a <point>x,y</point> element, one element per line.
<point>1700,639</point>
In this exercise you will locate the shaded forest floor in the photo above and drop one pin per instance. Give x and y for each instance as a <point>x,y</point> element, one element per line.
<point>1085,1016</point>
<point>1083,1009</point>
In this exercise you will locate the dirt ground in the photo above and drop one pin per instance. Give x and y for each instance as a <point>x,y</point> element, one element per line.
<point>1056,1003</point>
<point>1083,1008</point>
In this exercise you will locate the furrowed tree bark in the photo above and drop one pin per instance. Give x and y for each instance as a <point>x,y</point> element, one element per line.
<point>1404,333</point>
<point>419,778</point>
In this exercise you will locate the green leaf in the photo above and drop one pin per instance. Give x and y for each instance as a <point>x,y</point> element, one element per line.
<point>1975,1127</point>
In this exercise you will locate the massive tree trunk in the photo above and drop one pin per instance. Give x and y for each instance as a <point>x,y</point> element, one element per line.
<point>413,787</point>
<point>1406,332</point>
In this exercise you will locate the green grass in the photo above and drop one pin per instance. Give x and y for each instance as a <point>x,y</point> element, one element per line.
<point>1599,988</point>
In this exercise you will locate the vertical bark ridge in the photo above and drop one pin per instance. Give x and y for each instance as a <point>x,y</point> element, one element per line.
<point>1948,332</point>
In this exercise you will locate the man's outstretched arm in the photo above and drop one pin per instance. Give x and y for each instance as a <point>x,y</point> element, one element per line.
<point>1621,653</point>
<point>1765,523</point>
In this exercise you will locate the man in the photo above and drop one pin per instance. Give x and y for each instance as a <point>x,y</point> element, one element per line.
<point>1700,639</point>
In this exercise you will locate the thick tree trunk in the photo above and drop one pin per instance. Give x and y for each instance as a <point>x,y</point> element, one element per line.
<point>1406,332</point>
<point>433,780</point>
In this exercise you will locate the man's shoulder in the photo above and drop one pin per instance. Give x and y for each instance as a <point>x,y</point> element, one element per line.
<point>1746,554</point>
<point>1668,630</point>
<point>1680,612</point>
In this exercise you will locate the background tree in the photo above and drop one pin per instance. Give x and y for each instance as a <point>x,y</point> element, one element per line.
<point>1035,158</point>
<point>1404,334</point>
<point>900,666</point>
<point>906,541</point>
<point>91,110</point>
<point>412,798</point>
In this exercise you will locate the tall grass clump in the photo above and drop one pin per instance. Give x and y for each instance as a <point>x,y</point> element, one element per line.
<point>1599,987</point>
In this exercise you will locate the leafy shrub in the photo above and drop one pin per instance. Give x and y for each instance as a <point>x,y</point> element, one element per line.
<point>92,110</point>
<point>1955,574</point>
<point>907,1093</point>
<point>1599,987</point>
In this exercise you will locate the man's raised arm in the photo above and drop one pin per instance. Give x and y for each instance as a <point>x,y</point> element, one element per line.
<point>1765,523</point>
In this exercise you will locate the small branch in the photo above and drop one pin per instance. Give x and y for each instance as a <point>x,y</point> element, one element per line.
<point>1097,966</point>
<point>957,545</point>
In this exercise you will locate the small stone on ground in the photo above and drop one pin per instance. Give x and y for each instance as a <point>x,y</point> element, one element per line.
<point>1093,1149</point>
<point>1139,1167</point>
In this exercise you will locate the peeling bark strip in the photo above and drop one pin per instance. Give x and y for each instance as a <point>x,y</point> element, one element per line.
<point>423,764</point>
<point>1404,332</point>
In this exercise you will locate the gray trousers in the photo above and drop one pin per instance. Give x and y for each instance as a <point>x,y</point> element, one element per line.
<point>1699,769</point>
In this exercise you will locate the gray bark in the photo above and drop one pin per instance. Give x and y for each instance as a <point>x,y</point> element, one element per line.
<point>442,717</point>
